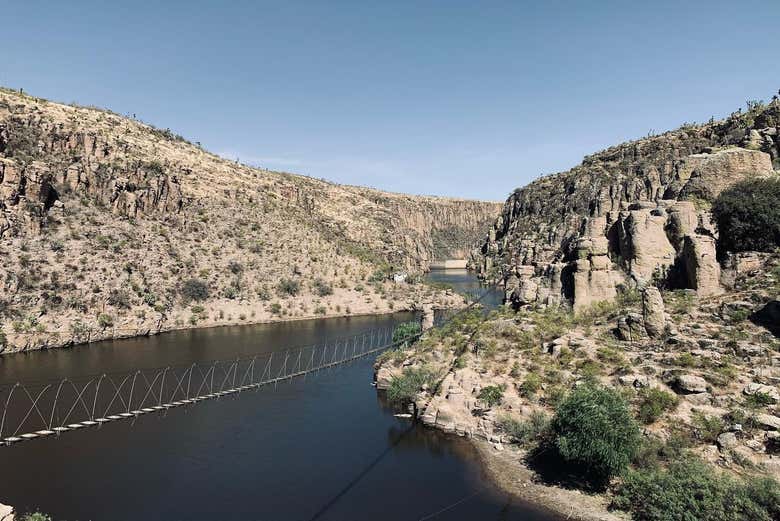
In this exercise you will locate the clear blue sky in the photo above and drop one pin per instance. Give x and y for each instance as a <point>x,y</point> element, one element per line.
<point>468,99</point>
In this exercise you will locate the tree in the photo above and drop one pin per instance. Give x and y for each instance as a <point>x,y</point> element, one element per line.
<point>748,216</point>
<point>593,430</point>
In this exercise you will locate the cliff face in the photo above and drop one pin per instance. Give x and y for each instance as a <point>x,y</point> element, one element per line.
<point>631,214</point>
<point>104,221</point>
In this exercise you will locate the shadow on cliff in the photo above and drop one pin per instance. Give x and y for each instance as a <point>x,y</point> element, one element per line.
<point>768,317</point>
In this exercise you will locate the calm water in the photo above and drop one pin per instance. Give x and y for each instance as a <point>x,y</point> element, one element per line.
<point>321,448</point>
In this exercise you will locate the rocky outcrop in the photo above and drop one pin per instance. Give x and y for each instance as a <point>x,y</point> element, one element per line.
<point>701,265</point>
<point>635,214</point>
<point>653,315</point>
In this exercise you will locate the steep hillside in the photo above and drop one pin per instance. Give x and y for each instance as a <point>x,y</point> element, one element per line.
<point>110,227</point>
<point>620,286</point>
<point>633,213</point>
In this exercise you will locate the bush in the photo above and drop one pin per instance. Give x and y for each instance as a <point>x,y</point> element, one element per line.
<point>276,308</point>
<point>691,490</point>
<point>405,387</point>
<point>653,402</point>
<point>288,287</point>
<point>322,288</point>
<point>491,395</point>
<point>406,333</point>
<point>105,320</point>
<point>748,216</point>
<point>593,429</point>
<point>707,428</point>
<point>119,299</point>
<point>531,385</point>
<point>263,293</point>
<point>525,431</point>
<point>194,289</point>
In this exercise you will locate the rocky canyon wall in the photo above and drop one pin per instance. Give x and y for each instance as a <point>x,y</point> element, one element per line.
<point>634,214</point>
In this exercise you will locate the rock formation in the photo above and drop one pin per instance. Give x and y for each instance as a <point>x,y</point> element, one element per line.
<point>633,215</point>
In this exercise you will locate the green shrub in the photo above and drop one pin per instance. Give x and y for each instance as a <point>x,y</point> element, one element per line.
<point>525,431</point>
<point>405,334</point>
<point>690,490</point>
<point>491,395</point>
<point>530,385</point>
<point>405,387</point>
<point>707,428</point>
<point>276,308</point>
<point>3,339</point>
<point>653,402</point>
<point>322,288</point>
<point>288,287</point>
<point>758,400</point>
<point>119,299</point>
<point>748,216</point>
<point>105,320</point>
<point>194,289</point>
<point>593,430</point>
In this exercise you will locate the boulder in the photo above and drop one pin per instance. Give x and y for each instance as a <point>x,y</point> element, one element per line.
<point>653,312</point>
<point>767,421</point>
<point>699,398</point>
<point>727,440</point>
<point>701,264</point>
<point>748,349</point>
<point>686,384</point>
<point>770,392</point>
<point>383,378</point>
<point>630,327</point>
<point>6,513</point>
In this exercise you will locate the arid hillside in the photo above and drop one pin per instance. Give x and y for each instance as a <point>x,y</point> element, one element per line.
<point>635,213</point>
<point>110,227</point>
<point>647,277</point>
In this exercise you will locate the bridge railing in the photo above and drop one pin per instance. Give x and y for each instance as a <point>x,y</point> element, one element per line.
<point>35,410</point>
<point>30,411</point>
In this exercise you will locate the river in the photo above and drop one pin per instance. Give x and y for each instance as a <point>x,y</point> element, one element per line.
<point>325,447</point>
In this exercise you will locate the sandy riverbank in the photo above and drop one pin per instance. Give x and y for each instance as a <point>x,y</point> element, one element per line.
<point>504,465</point>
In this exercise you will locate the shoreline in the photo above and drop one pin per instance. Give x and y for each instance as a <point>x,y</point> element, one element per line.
<point>112,334</point>
<point>505,468</point>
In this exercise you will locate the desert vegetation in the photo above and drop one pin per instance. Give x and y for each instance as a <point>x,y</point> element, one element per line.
<point>589,400</point>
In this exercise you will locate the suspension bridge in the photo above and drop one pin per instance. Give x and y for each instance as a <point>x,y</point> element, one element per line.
<point>37,410</point>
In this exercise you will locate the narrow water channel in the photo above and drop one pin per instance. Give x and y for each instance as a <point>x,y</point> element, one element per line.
<point>324,447</point>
